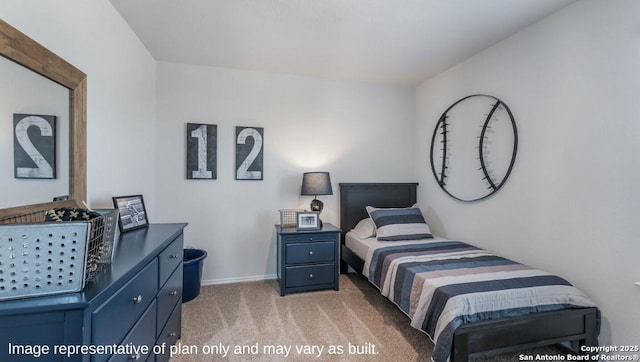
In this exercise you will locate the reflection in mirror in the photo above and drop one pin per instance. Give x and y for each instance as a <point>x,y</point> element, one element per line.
<point>19,48</point>
<point>26,92</point>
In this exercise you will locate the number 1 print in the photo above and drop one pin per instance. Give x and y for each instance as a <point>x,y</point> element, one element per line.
<point>201,151</point>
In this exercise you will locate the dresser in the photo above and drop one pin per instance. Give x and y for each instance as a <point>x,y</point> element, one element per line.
<point>136,302</point>
<point>308,260</point>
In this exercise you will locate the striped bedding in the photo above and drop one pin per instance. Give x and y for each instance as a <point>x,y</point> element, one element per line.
<point>443,284</point>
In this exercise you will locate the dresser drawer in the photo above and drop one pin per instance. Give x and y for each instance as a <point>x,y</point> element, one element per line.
<point>310,252</point>
<point>169,259</point>
<point>142,334</point>
<point>170,333</point>
<point>311,237</point>
<point>170,294</point>
<point>111,321</point>
<point>297,276</point>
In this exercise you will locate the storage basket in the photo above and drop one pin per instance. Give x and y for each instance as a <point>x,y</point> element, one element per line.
<point>104,230</point>
<point>288,217</point>
<point>42,258</point>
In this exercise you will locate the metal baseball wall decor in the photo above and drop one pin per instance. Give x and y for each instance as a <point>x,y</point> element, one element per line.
<point>34,146</point>
<point>473,147</point>
<point>202,151</point>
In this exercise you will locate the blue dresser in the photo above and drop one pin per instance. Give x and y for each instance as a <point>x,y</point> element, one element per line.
<point>135,302</point>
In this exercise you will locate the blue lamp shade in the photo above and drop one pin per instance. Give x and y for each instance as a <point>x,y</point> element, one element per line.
<point>316,183</point>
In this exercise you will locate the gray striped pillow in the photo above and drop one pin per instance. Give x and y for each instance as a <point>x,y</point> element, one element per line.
<point>393,224</point>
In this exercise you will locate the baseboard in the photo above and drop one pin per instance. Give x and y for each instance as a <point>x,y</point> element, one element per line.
<point>238,280</point>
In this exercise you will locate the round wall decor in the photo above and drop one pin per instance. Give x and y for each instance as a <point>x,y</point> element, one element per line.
<point>473,147</point>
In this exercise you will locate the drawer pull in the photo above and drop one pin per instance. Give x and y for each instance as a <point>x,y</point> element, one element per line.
<point>311,253</point>
<point>173,256</point>
<point>310,276</point>
<point>137,299</point>
<point>310,239</point>
<point>135,357</point>
<point>175,292</point>
<point>172,334</point>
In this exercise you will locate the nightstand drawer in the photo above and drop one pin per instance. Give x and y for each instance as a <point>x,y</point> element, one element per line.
<point>310,252</point>
<point>297,276</point>
<point>311,237</point>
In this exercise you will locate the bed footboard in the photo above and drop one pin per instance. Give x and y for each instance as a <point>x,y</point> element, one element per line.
<point>481,339</point>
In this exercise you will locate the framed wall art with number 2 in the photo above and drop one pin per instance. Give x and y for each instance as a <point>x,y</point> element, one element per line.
<point>34,146</point>
<point>249,153</point>
<point>202,151</point>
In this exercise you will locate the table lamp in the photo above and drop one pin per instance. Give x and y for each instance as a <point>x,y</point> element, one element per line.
<point>316,183</point>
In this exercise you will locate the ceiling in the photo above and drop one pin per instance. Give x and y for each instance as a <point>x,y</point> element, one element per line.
<point>399,42</point>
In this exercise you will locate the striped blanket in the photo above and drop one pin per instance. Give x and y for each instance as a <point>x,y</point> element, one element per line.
<point>443,284</point>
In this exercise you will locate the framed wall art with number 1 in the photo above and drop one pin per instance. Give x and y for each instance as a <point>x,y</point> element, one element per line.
<point>249,153</point>
<point>202,147</point>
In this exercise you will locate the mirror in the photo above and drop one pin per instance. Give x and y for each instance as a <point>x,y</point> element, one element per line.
<point>19,48</point>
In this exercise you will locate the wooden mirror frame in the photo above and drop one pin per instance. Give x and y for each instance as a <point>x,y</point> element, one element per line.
<point>19,48</point>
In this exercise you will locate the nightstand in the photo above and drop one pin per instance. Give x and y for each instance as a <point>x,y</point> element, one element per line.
<point>308,260</point>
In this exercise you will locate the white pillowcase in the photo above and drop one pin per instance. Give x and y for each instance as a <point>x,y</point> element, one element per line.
<point>365,229</point>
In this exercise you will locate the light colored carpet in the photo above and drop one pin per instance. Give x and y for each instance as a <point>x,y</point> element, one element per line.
<point>353,324</point>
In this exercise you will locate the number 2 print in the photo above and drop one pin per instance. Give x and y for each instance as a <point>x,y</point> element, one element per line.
<point>34,146</point>
<point>249,153</point>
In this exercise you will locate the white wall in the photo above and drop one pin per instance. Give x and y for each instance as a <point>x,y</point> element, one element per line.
<point>93,37</point>
<point>357,132</point>
<point>571,204</point>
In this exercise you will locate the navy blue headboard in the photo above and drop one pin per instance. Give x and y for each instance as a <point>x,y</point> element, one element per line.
<point>354,197</point>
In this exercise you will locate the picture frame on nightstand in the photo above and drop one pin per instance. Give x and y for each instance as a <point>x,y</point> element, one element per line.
<point>307,220</point>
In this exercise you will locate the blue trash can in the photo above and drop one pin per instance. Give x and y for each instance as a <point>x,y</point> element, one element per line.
<point>192,273</point>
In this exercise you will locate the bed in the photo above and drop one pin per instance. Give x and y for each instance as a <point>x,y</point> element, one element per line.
<point>575,327</point>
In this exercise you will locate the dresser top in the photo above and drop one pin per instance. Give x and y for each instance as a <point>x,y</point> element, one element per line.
<point>132,252</point>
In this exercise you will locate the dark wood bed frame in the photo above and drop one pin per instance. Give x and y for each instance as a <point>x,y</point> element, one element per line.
<point>577,327</point>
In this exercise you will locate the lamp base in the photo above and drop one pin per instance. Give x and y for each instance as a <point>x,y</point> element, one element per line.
<point>317,205</point>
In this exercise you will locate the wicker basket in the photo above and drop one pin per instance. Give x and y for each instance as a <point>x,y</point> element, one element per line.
<point>42,258</point>
<point>288,217</point>
<point>104,230</point>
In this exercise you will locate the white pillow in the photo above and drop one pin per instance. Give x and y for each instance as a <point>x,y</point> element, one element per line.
<point>393,224</point>
<point>365,229</point>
